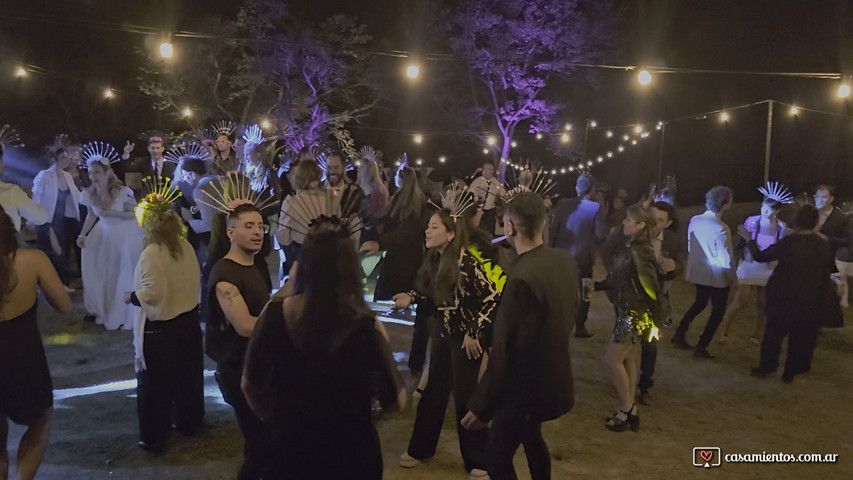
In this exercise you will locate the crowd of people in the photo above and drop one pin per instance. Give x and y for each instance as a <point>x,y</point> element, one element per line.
<point>174,246</point>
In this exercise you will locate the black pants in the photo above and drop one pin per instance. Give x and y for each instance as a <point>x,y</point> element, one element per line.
<point>449,369</point>
<point>648,360</point>
<point>65,230</point>
<point>583,307</point>
<point>174,378</point>
<point>509,429</point>
<point>420,337</point>
<point>489,221</point>
<point>718,297</point>
<point>802,336</point>
<point>254,453</point>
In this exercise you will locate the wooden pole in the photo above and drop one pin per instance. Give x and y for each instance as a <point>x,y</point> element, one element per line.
<point>767,140</point>
<point>660,158</point>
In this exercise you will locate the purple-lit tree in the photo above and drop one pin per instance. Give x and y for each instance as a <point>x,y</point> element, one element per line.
<point>515,49</point>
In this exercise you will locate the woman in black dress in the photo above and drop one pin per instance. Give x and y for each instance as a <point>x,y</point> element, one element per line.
<point>324,356</point>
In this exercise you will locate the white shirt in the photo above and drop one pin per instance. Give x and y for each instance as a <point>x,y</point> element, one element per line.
<point>17,204</point>
<point>487,190</point>
<point>45,191</point>
<point>709,252</point>
<point>167,287</point>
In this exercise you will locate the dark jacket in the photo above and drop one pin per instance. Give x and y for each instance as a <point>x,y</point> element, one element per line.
<point>800,286</point>
<point>530,369</point>
<point>672,243</point>
<point>579,225</point>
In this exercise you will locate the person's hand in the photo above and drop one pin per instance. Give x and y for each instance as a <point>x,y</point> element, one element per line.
<point>471,422</point>
<point>126,297</point>
<point>744,233</point>
<point>401,301</point>
<point>667,265</point>
<point>370,247</point>
<point>472,347</point>
<point>186,215</point>
<point>128,148</point>
<point>81,241</point>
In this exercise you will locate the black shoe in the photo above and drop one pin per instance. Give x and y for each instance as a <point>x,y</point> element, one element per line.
<point>760,372</point>
<point>152,447</point>
<point>631,420</point>
<point>582,333</point>
<point>788,378</point>
<point>679,342</point>
<point>701,352</point>
<point>644,398</point>
<point>89,318</point>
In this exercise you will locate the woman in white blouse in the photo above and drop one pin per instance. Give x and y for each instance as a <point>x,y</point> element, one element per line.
<point>17,204</point>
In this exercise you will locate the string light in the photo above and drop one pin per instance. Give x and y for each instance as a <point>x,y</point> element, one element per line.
<point>609,154</point>
<point>844,90</point>
<point>108,93</point>
<point>166,50</point>
<point>187,112</point>
<point>265,124</point>
<point>565,138</point>
<point>568,127</point>
<point>644,77</point>
<point>626,138</point>
<point>609,134</point>
<point>724,117</point>
<point>600,159</point>
<point>419,138</point>
<point>633,142</point>
<point>419,162</point>
<point>491,140</point>
<point>514,144</point>
<point>538,136</point>
<point>442,159</point>
<point>20,72</point>
<point>485,151</point>
<point>593,124</point>
<point>563,170</point>
<point>412,71</point>
<point>638,129</point>
<point>397,163</point>
<point>795,110</point>
<point>621,148</point>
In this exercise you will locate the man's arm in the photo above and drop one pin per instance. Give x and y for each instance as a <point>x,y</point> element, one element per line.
<point>235,309</point>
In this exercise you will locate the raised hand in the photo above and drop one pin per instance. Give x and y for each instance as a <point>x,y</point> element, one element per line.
<point>129,147</point>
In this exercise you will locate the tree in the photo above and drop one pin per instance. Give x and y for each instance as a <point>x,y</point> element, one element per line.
<point>309,80</point>
<point>515,50</point>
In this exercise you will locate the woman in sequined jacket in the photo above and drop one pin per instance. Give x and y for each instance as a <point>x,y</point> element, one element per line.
<point>636,295</point>
<point>466,301</point>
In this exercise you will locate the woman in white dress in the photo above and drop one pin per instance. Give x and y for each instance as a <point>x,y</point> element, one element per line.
<point>111,242</point>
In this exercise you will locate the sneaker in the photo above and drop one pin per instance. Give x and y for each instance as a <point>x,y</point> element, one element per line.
<point>478,474</point>
<point>408,461</point>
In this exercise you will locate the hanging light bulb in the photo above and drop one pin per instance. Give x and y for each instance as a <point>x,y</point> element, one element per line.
<point>108,93</point>
<point>491,140</point>
<point>20,72</point>
<point>609,134</point>
<point>795,110</point>
<point>609,154</point>
<point>187,112</point>
<point>538,136</point>
<point>600,159</point>
<point>844,90</point>
<point>265,124</point>
<point>568,127</point>
<point>563,170</point>
<point>553,171</point>
<point>442,159</point>
<point>514,144</point>
<point>419,138</point>
<point>621,148</point>
<point>724,117</point>
<point>485,150</point>
<point>565,138</point>
<point>412,71</point>
<point>626,138</point>
<point>571,168</point>
<point>644,77</point>
<point>166,50</point>
<point>593,124</point>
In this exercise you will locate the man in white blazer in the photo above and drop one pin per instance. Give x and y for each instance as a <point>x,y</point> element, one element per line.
<point>710,267</point>
<point>56,237</point>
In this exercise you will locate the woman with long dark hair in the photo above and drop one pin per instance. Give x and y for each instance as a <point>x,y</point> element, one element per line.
<point>637,297</point>
<point>465,297</point>
<point>323,352</point>
<point>26,391</point>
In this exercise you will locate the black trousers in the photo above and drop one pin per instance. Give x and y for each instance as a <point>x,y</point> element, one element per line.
<point>449,369</point>
<point>228,377</point>
<point>802,337</point>
<point>718,297</point>
<point>648,360</point>
<point>583,307</point>
<point>174,378</point>
<point>420,336</point>
<point>510,427</point>
<point>489,221</point>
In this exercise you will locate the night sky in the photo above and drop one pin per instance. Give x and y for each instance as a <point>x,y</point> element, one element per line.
<point>755,35</point>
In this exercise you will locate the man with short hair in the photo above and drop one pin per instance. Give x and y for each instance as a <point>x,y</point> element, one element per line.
<point>710,267</point>
<point>152,166</point>
<point>193,170</point>
<point>238,293</point>
<point>529,376</point>
<point>579,225</point>
<point>349,193</point>
<point>489,191</point>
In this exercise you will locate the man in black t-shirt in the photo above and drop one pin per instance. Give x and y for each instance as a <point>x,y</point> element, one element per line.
<point>238,293</point>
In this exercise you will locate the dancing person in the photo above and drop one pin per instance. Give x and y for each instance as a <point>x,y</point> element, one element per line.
<point>225,158</point>
<point>375,202</point>
<point>257,164</point>
<point>637,298</point>
<point>17,204</point>
<point>338,181</point>
<point>292,218</point>
<point>832,227</point>
<point>766,229</point>
<point>26,391</point>
<point>111,242</point>
<point>795,295</point>
<point>155,165</point>
<point>528,379</point>
<point>55,191</point>
<point>322,339</point>
<point>466,299</point>
<point>193,176</point>
<point>710,267</point>
<point>489,190</point>
<point>168,344</point>
<point>238,293</point>
<point>579,224</point>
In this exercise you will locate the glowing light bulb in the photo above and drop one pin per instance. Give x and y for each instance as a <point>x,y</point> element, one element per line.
<point>20,72</point>
<point>609,134</point>
<point>419,162</point>
<point>644,77</point>
<point>589,163</point>
<point>562,170</point>
<point>166,50</point>
<point>412,71</point>
<point>633,142</point>
<point>568,127</point>
<point>621,148</point>
<point>844,91</point>
<point>538,136</point>
<point>514,144</point>
<point>397,163</point>
<point>265,124</point>
<point>419,139</point>
<point>553,171</point>
<point>108,93</point>
<point>572,168</point>
<point>724,117</point>
<point>593,124</point>
<point>638,129</point>
<point>442,159</point>
<point>609,154</point>
<point>485,151</point>
<point>658,126</point>
<point>626,138</point>
<point>187,112</point>
<point>565,138</point>
<point>600,159</point>
<point>795,110</point>
<point>491,140</point>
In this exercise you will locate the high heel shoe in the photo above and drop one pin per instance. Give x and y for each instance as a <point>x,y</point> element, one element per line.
<point>623,420</point>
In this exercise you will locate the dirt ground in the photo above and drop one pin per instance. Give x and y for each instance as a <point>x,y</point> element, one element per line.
<point>697,403</point>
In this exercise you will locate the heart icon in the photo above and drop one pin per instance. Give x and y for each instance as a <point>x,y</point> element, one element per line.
<point>706,455</point>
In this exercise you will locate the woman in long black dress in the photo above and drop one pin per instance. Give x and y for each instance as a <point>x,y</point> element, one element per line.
<point>325,356</point>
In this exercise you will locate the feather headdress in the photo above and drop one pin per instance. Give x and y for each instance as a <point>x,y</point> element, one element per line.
<point>367,153</point>
<point>777,191</point>
<point>226,193</point>
<point>456,199</point>
<point>159,193</point>
<point>10,138</point>
<point>99,152</point>
<point>253,136</point>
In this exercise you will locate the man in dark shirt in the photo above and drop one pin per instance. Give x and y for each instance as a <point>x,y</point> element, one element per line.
<point>529,376</point>
<point>238,294</point>
<point>579,225</point>
<point>155,165</point>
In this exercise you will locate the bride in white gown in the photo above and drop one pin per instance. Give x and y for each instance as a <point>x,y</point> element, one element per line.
<point>112,246</point>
